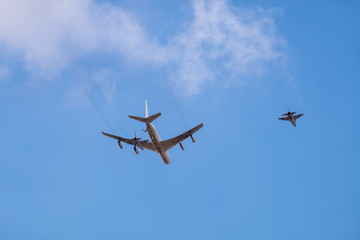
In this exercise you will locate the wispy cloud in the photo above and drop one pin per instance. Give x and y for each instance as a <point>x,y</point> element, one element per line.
<point>4,73</point>
<point>223,40</point>
<point>50,34</point>
<point>98,86</point>
<point>219,40</point>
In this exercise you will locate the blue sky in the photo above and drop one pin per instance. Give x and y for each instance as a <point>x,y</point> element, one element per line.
<point>71,69</point>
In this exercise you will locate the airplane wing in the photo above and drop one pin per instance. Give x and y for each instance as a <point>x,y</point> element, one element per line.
<point>145,143</point>
<point>298,116</point>
<point>285,119</point>
<point>167,144</point>
<point>148,145</point>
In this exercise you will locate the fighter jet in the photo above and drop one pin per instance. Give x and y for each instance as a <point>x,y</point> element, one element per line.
<point>291,117</point>
<point>156,144</point>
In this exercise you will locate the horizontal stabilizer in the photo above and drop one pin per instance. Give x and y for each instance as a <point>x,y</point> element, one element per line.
<point>149,119</point>
<point>141,119</point>
<point>153,117</point>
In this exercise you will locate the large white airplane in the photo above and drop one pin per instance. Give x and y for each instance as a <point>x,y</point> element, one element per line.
<point>156,144</point>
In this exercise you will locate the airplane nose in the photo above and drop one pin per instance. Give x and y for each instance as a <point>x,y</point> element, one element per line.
<point>166,158</point>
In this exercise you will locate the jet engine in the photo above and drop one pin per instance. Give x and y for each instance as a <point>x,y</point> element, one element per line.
<point>137,142</point>
<point>182,147</point>
<point>192,138</point>
<point>120,145</point>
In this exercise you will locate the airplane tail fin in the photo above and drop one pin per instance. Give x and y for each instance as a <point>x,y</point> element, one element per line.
<point>146,109</point>
<point>147,117</point>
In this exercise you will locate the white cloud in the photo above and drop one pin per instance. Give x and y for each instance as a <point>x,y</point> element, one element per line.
<point>50,34</point>
<point>220,40</point>
<point>223,40</point>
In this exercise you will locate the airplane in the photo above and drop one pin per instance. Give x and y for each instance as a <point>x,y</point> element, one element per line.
<point>291,117</point>
<point>156,144</point>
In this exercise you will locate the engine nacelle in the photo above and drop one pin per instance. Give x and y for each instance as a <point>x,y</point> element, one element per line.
<point>182,147</point>
<point>136,151</point>
<point>120,145</point>
<point>192,138</point>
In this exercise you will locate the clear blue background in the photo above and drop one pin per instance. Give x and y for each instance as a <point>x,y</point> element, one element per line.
<point>249,176</point>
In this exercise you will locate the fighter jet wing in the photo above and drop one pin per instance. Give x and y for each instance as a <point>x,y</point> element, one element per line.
<point>298,116</point>
<point>285,119</point>
<point>167,144</point>
<point>145,143</point>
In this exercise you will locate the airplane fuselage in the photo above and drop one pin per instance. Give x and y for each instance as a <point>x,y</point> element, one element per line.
<point>156,142</point>
<point>292,120</point>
